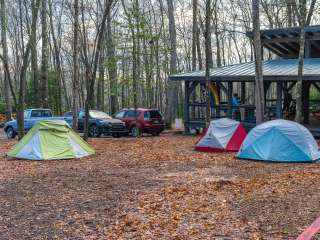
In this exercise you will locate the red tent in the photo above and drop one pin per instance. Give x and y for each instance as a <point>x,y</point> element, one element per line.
<point>222,135</point>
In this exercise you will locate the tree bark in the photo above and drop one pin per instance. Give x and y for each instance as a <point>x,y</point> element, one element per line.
<point>90,89</point>
<point>259,89</point>
<point>194,33</point>
<point>34,63</point>
<point>58,69</point>
<point>44,56</point>
<point>22,76</point>
<point>171,107</point>
<point>112,68</point>
<point>304,20</point>
<point>3,16</point>
<point>207,36</point>
<point>75,57</point>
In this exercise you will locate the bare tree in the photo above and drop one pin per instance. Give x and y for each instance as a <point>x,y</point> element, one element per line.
<point>23,73</point>
<point>44,56</point>
<point>112,67</point>
<point>259,90</point>
<point>34,62</point>
<point>304,20</point>
<point>207,36</point>
<point>95,61</point>
<point>171,108</point>
<point>3,19</point>
<point>75,82</point>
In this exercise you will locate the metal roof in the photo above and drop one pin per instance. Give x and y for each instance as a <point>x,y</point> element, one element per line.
<point>273,70</point>
<point>284,42</point>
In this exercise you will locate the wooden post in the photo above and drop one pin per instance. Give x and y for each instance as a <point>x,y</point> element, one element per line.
<point>307,51</point>
<point>243,92</point>
<point>230,91</point>
<point>305,101</point>
<point>186,115</point>
<point>279,100</point>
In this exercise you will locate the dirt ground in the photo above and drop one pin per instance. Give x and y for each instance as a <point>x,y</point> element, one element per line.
<point>155,188</point>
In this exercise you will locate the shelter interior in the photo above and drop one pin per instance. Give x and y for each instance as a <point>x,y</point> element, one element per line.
<point>280,77</point>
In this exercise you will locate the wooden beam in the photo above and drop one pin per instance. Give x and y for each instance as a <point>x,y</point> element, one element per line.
<point>287,88</point>
<point>307,51</point>
<point>186,115</point>
<point>279,100</point>
<point>222,87</point>
<point>315,84</point>
<point>274,50</point>
<point>305,101</point>
<point>193,86</point>
<point>243,92</point>
<point>291,86</point>
<point>230,92</point>
<point>287,39</point>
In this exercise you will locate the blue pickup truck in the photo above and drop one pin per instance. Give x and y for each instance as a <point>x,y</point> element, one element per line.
<point>31,117</point>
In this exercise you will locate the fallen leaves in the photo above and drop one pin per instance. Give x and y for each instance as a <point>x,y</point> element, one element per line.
<point>154,188</point>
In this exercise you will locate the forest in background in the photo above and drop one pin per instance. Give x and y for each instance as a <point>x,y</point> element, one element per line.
<point>125,50</point>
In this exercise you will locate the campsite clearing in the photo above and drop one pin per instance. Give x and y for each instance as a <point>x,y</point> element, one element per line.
<point>155,188</point>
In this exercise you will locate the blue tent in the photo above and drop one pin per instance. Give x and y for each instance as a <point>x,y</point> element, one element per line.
<point>280,141</point>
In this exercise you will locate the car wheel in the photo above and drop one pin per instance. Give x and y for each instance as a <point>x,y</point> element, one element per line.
<point>155,134</point>
<point>10,133</point>
<point>135,132</point>
<point>116,135</point>
<point>94,131</point>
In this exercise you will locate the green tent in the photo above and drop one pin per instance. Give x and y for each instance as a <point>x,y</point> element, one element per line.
<point>49,140</point>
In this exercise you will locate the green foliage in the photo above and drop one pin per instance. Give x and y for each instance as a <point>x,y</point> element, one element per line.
<point>314,93</point>
<point>2,107</point>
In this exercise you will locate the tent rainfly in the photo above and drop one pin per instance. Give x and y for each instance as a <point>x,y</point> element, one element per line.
<point>280,141</point>
<point>222,135</point>
<point>51,140</point>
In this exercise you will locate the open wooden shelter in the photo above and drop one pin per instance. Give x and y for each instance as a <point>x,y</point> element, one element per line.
<point>280,77</point>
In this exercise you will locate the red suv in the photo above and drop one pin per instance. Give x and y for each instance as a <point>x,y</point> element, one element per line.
<point>142,121</point>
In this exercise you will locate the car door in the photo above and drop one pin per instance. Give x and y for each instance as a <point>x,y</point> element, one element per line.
<point>27,120</point>
<point>121,116</point>
<point>81,121</point>
<point>130,118</point>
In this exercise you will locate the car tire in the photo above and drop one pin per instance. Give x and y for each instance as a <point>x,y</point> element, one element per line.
<point>11,134</point>
<point>155,134</point>
<point>116,135</point>
<point>94,131</point>
<point>135,132</point>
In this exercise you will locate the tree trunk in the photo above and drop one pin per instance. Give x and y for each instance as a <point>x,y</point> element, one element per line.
<point>304,21</point>
<point>194,34</point>
<point>57,63</point>
<point>171,107</point>
<point>96,55</point>
<point>100,84</point>
<point>75,82</point>
<point>207,36</point>
<point>23,72</point>
<point>112,68</point>
<point>44,56</point>
<point>199,50</point>
<point>259,89</point>
<point>299,102</point>
<point>3,20</point>
<point>34,63</point>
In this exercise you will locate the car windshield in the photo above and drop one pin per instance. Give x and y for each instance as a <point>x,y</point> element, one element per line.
<point>99,114</point>
<point>26,114</point>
